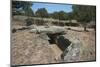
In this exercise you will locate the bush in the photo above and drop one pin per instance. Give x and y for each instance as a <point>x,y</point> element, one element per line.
<point>29,21</point>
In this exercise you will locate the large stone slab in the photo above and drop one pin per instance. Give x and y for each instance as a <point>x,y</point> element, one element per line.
<point>72,53</point>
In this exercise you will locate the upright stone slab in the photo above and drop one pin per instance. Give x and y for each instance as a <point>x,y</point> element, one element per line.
<point>72,53</point>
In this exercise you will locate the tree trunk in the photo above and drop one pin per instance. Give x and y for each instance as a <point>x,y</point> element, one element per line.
<point>85,28</point>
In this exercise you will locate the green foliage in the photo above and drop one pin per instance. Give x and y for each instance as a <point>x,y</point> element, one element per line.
<point>42,12</point>
<point>70,16</point>
<point>61,15</point>
<point>54,15</point>
<point>29,12</point>
<point>84,14</point>
<point>25,6</point>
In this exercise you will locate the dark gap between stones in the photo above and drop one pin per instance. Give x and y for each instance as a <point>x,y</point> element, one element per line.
<point>59,40</point>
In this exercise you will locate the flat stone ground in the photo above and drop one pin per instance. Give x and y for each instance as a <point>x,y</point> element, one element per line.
<point>29,48</point>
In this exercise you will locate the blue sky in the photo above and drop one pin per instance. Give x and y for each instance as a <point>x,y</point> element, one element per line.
<point>52,7</point>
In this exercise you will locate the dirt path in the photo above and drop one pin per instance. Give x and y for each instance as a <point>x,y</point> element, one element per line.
<point>57,51</point>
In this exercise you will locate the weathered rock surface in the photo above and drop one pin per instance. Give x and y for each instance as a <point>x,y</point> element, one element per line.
<point>72,53</point>
<point>87,44</point>
<point>51,29</point>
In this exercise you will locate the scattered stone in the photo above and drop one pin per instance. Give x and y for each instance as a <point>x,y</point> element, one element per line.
<point>14,30</point>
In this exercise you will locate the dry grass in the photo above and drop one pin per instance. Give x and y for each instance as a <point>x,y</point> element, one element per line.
<point>29,48</point>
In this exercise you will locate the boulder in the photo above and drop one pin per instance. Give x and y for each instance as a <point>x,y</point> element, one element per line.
<point>72,53</point>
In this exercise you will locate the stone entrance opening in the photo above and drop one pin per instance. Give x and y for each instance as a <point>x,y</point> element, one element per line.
<point>58,44</point>
<point>59,40</point>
